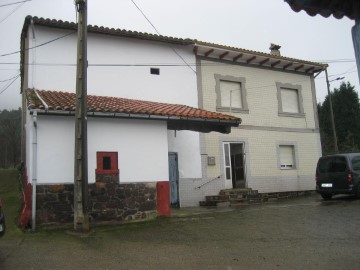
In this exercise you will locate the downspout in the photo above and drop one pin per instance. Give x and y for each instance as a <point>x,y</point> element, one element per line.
<point>34,171</point>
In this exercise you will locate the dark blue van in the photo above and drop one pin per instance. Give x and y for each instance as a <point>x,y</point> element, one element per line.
<point>338,174</point>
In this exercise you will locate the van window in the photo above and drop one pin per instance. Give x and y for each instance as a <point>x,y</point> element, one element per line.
<point>332,165</point>
<point>356,163</point>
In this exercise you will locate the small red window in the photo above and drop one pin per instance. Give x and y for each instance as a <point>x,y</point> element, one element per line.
<point>107,163</point>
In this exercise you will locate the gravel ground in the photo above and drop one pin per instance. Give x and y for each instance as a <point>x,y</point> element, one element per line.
<point>302,233</point>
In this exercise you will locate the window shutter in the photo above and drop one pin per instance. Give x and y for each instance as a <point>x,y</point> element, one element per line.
<point>235,88</point>
<point>290,100</point>
<point>287,156</point>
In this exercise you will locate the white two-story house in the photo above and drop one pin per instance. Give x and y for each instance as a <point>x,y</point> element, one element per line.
<point>161,109</point>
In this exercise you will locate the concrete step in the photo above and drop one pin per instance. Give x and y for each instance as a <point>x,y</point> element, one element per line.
<point>216,198</point>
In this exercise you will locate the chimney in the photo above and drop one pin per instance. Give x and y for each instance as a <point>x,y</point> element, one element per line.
<point>275,49</point>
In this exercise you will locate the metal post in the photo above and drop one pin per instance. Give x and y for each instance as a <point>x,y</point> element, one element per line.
<point>81,216</point>
<point>331,114</point>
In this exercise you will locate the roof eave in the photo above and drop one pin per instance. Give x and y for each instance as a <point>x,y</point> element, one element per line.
<point>173,122</point>
<point>256,59</point>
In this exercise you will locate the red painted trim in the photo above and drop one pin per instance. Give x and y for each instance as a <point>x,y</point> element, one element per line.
<point>114,163</point>
<point>163,198</point>
<point>25,214</point>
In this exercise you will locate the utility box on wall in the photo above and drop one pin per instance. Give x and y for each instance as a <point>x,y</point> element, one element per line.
<point>211,161</point>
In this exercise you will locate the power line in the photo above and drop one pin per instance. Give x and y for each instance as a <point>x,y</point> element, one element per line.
<point>7,86</point>
<point>153,26</point>
<point>15,3</point>
<point>9,79</point>
<point>12,12</point>
<point>42,44</point>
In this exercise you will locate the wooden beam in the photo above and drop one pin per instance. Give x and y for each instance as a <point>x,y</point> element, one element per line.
<point>237,57</point>
<point>209,52</point>
<point>309,69</point>
<point>275,63</point>
<point>287,65</point>
<point>298,67</point>
<point>251,59</point>
<point>264,61</point>
<point>223,55</point>
<point>195,50</point>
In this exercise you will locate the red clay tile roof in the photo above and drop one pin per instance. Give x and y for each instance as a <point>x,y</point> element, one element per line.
<point>64,101</point>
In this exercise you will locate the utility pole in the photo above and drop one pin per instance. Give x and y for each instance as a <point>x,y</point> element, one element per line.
<point>81,215</point>
<point>331,114</point>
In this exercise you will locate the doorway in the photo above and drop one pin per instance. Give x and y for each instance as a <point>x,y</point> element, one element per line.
<point>234,165</point>
<point>174,179</point>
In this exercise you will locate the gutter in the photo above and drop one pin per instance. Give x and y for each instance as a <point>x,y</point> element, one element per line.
<point>139,116</point>
<point>34,171</point>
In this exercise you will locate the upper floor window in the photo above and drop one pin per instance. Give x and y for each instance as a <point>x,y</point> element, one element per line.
<point>290,100</point>
<point>230,94</point>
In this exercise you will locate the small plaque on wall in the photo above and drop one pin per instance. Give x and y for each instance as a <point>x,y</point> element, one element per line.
<point>211,161</point>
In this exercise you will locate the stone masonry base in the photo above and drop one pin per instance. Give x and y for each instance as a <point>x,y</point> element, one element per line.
<point>108,201</point>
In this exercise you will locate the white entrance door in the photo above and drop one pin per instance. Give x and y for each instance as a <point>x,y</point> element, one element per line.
<point>234,165</point>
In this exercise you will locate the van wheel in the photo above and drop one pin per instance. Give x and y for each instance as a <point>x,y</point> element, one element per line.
<point>326,196</point>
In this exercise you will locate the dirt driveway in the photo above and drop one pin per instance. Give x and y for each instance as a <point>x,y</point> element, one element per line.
<point>303,233</point>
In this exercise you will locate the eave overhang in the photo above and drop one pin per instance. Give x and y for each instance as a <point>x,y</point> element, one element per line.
<point>173,122</point>
<point>255,59</point>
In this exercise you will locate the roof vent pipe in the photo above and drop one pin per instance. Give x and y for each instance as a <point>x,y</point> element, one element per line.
<point>275,49</point>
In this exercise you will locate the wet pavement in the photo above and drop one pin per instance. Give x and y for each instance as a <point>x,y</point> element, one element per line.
<point>301,233</point>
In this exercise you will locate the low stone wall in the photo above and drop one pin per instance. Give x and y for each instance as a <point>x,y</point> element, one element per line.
<point>108,201</point>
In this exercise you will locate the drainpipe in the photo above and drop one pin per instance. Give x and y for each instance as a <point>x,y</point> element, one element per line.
<point>34,171</point>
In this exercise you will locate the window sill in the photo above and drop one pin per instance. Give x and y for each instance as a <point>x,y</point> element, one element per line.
<point>97,171</point>
<point>233,110</point>
<point>298,115</point>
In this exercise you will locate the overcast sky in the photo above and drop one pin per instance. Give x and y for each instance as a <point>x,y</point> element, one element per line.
<point>247,24</point>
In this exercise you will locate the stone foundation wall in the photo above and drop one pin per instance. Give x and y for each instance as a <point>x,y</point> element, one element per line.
<point>108,201</point>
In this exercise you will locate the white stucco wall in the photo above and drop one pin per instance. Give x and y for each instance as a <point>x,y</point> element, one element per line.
<point>176,84</point>
<point>186,144</point>
<point>141,146</point>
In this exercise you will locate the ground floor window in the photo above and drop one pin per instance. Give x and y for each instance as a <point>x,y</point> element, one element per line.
<point>287,157</point>
<point>107,163</point>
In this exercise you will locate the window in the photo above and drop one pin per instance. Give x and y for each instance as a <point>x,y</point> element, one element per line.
<point>356,163</point>
<point>332,165</point>
<point>155,71</point>
<point>230,94</point>
<point>107,163</point>
<point>290,100</point>
<point>287,157</point>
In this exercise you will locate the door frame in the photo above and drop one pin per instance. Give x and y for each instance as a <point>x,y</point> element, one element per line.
<point>175,204</point>
<point>229,182</point>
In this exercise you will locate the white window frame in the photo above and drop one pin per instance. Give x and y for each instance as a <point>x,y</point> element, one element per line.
<point>295,155</point>
<point>241,80</point>
<point>297,88</point>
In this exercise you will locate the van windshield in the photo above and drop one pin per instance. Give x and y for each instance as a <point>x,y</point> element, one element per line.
<point>332,165</point>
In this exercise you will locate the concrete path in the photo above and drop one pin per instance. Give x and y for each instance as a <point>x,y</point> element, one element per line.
<point>302,233</point>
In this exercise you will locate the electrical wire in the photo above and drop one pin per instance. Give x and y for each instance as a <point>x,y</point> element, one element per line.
<point>153,26</point>
<point>7,86</point>
<point>37,46</point>
<point>15,3</point>
<point>9,79</point>
<point>12,12</point>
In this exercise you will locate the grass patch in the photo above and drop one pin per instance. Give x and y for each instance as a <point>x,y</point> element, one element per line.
<point>11,198</point>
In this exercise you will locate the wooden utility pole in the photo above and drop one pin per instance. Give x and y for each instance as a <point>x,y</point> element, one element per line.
<point>81,215</point>
<point>336,149</point>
